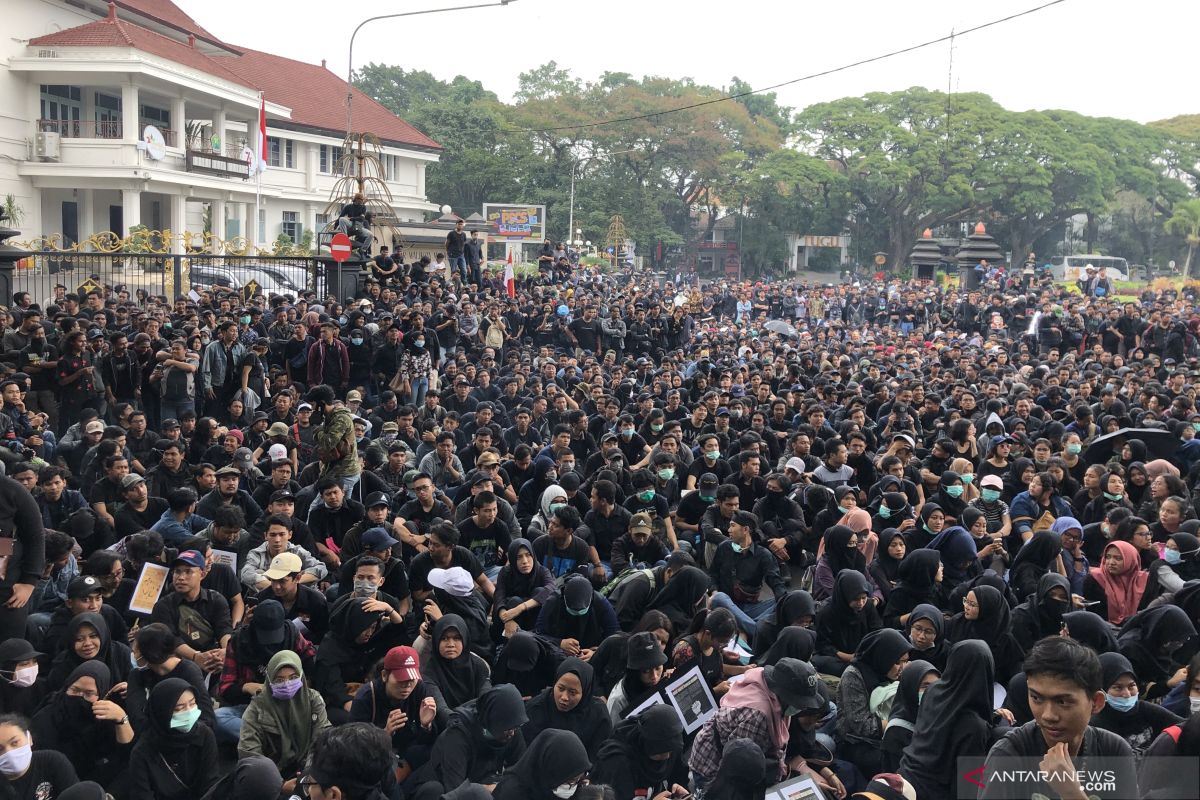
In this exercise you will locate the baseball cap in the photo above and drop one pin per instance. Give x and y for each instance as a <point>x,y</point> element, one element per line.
<point>640,522</point>
<point>261,416</point>
<point>577,593</point>
<point>456,580</point>
<point>992,481</point>
<point>487,459</point>
<point>904,437</point>
<point>796,464</point>
<point>193,558</point>
<point>129,481</point>
<point>391,427</point>
<point>283,565</point>
<point>404,663</point>
<point>278,429</point>
<point>479,476</point>
<point>281,494</point>
<point>643,651</point>
<point>411,476</point>
<point>709,480</point>
<point>82,586</point>
<point>795,683</point>
<point>268,621</point>
<point>378,499</point>
<point>242,456</point>
<point>1001,439</point>
<point>377,539</point>
<point>354,396</point>
<point>95,426</point>
<point>169,424</point>
<point>304,407</point>
<point>277,452</point>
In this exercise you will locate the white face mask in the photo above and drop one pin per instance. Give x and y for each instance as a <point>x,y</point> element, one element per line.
<point>565,790</point>
<point>15,762</point>
<point>25,676</point>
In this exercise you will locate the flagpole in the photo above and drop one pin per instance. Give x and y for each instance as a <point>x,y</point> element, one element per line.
<point>258,171</point>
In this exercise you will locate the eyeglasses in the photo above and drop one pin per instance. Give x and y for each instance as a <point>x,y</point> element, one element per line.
<point>86,694</point>
<point>968,603</point>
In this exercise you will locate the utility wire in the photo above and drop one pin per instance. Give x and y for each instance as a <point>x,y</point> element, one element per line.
<point>949,37</point>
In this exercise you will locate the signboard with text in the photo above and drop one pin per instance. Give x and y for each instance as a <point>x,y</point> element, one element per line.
<point>516,223</point>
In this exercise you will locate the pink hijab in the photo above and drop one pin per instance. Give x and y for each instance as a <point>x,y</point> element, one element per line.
<point>752,692</point>
<point>859,520</point>
<point>1161,466</point>
<point>1124,591</point>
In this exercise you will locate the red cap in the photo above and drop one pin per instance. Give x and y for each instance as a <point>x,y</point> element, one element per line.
<point>403,663</point>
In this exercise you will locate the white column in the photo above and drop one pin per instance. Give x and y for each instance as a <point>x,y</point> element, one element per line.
<point>310,221</point>
<point>130,114</point>
<point>421,180</point>
<point>217,215</point>
<point>179,121</point>
<point>251,226</point>
<point>131,205</point>
<point>87,214</point>
<point>312,163</point>
<point>178,221</point>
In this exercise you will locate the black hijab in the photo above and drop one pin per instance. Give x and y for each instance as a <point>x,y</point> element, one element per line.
<point>877,653</point>
<point>553,758</point>
<point>790,608</point>
<point>626,757</point>
<point>792,642</point>
<point>951,506</point>
<point>936,654</point>
<point>919,535</point>
<point>838,553</point>
<point>908,692</point>
<point>742,774</point>
<point>460,680</point>
<point>72,716</point>
<point>1145,640</point>
<point>964,689</point>
<point>839,624</point>
<point>883,562</point>
<point>1017,699</point>
<point>589,719</point>
<point>1091,629</point>
<point>528,662</point>
<point>1012,482</point>
<point>991,625</point>
<point>114,655</point>
<point>917,573</point>
<point>679,598</point>
<point>1033,561</point>
<point>159,709</point>
<point>897,507</point>
<point>1046,612</point>
<point>516,584</point>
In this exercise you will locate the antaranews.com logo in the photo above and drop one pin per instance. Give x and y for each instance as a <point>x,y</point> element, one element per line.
<point>1102,778</point>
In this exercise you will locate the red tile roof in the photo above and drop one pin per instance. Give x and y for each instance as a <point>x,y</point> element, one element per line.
<point>317,98</point>
<point>113,32</point>
<point>169,14</point>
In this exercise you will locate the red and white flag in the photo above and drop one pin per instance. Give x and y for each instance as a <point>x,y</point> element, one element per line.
<point>260,151</point>
<point>510,280</point>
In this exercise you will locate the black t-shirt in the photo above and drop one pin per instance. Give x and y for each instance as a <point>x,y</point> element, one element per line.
<point>50,774</point>
<point>418,573</point>
<point>224,581</point>
<point>40,380</point>
<point>588,333</point>
<point>564,561</point>
<point>482,542</point>
<point>109,493</point>
<point>419,519</point>
<point>130,521</point>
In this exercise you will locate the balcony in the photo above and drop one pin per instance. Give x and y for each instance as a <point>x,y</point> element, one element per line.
<point>94,129</point>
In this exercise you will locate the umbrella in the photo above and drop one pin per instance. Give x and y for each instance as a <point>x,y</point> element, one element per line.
<point>781,327</point>
<point>1160,443</point>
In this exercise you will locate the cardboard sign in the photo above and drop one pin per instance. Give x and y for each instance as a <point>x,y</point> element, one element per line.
<point>149,587</point>
<point>653,700</point>
<point>692,699</point>
<point>225,557</point>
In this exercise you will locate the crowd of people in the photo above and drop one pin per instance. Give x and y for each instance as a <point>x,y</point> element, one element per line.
<point>451,540</point>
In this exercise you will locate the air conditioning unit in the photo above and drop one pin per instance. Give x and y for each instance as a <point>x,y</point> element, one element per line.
<point>47,145</point>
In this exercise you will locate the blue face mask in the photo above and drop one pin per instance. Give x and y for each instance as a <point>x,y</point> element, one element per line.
<point>1122,703</point>
<point>954,491</point>
<point>580,613</point>
<point>1172,556</point>
<point>885,512</point>
<point>627,432</point>
<point>990,495</point>
<point>968,479</point>
<point>737,548</point>
<point>185,720</point>
<point>843,510</point>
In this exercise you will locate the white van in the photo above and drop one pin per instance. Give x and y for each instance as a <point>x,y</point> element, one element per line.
<point>1073,268</point>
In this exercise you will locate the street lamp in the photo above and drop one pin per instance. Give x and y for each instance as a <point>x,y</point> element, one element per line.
<point>350,59</point>
<point>574,164</point>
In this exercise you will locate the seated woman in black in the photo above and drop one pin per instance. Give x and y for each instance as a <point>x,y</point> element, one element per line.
<point>450,666</point>
<point>346,654</point>
<point>1042,614</point>
<point>797,607</point>
<point>644,756</point>
<point>885,566</point>
<point>1125,713</point>
<point>26,774</point>
<point>578,619</point>
<point>608,662</point>
<point>570,705</point>
<point>915,679</point>
<point>154,648</point>
<point>1036,557</point>
<point>399,701</point>
<point>21,688</point>
<point>87,639</point>
<point>1150,639</point>
<point>175,757</point>
<point>843,622</point>
<point>82,723</point>
<point>880,657</point>
<point>553,764</point>
<point>1090,629</point>
<point>528,662</point>
<point>522,588</point>
<point>986,616</point>
<point>482,739</point>
<point>926,629</point>
<point>920,579</point>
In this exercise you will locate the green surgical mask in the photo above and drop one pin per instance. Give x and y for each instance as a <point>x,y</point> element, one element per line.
<point>708,498</point>
<point>556,506</point>
<point>647,495</point>
<point>843,510</point>
<point>656,427</point>
<point>1074,449</point>
<point>990,495</point>
<point>1116,498</point>
<point>712,455</point>
<point>954,491</point>
<point>737,548</point>
<point>968,479</point>
<point>885,512</point>
<point>666,474</point>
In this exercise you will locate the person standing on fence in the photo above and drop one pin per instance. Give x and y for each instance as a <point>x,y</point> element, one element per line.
<point>219,375</point>
<point>76,384</point>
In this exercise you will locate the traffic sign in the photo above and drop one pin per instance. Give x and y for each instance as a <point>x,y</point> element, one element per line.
<point>339,247</point>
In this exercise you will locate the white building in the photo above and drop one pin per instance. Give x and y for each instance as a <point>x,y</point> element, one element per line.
<point>82,79</point>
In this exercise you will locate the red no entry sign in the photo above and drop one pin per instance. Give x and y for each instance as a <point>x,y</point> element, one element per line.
<point>339,247</point>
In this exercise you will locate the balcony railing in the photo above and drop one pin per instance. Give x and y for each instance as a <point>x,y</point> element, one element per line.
<point>94,129</point>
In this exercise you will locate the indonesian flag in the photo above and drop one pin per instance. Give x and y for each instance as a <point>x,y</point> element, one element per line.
<point>510,280</point>
<point>260,161</point>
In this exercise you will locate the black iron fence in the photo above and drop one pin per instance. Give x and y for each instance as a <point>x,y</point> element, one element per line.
<point>172,274</point>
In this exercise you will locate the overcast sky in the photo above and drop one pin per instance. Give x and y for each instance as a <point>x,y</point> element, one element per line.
<point>1097,57</point>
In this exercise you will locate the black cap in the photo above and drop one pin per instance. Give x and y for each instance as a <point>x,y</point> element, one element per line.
<point>643,651</point>
<point>268,621</point>
<point>795,683</point>
<point>569,481</point>
<point>577,593</point>
<point>378,499</point>
<point>281,494</point>
<point>709,479</point>
<point>82,586</point>
<point>16,650</point>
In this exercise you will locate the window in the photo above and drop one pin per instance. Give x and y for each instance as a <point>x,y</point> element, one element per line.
<point>279,152</point>
<point>331,157</point>
<point>158,117</point>
<point>261,232</point>
<point>108,116</point>
<point>291,226</point>
<point>322,221</point>
<point>62,109</point>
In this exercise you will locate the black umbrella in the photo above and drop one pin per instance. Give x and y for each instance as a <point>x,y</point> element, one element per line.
<point>1160,443</point>
<point>781,327</point>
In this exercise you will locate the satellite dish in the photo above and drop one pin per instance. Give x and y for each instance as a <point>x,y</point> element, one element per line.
<point>153,143</point>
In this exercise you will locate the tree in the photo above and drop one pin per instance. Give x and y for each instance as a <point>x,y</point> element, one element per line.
<point>1185,222</point>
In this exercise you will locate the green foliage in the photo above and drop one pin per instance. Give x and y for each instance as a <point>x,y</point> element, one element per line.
<point>1185,222</point>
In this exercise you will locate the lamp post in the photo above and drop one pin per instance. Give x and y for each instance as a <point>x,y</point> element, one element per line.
<point>350,58</point>
<point>574,165</point>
